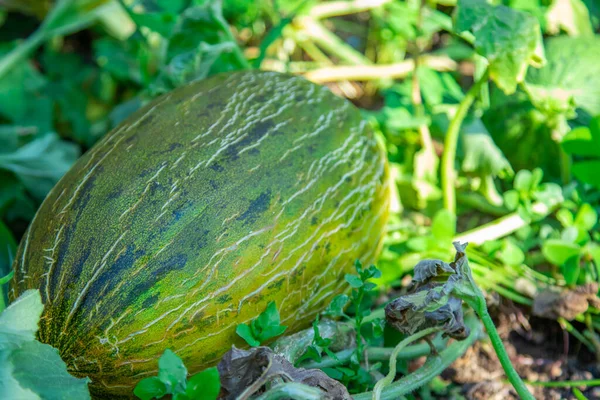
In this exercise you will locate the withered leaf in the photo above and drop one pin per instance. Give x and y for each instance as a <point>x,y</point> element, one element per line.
<point>245,372</point>
<point>436,300</point>
<point>567,303</point>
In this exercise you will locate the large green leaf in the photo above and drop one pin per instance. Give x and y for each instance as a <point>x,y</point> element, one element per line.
<point>570,80</point>
<point>585,143</point>
<point>40,163</point>
<point>30,369</point>
<point>510,40</point>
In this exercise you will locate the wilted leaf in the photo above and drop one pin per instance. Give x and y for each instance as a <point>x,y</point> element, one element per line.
<point>247,372</point>
<point>567,303</point>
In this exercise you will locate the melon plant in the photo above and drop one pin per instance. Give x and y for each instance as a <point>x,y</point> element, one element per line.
<point>196,212</point>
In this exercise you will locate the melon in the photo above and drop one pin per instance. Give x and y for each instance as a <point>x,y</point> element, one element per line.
<point>196,212</point>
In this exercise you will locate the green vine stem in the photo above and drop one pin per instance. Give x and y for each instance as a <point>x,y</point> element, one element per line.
<point>292,390</point>
<point>3,281</point>
<point>451,141</point>
<point>432,368</point>
<point>389,378</point>
<point>478,304</point>
<point>378,354</point>
<point>566,384</point>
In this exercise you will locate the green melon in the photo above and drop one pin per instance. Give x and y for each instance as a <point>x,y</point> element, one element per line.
<point>192,215</point>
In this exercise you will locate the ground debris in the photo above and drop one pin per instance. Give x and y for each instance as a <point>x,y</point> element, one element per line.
<point>246,372</point>
<point>567,303</point>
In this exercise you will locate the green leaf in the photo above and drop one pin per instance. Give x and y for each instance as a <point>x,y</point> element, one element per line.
<point>160,22</point>
<point>570,79</point>
<point>511,199</point>
<point>443,226</point>
<point>511,254</point>
<point>571,270</point>
<point>268,323</point>
<point>587,171</point>
<point>39,368</point>
<point>245,332</point>
<point>204,385</point>
<point>150,388</point>
<point>579,141</point>
<point>354,281</point>
<point>172,372</point>
<point>586,217</point>
<point>19,321</point>
<point>565,217</point>
<point>511,40</point>
<point>336,307</point>
<point>482,156</point>
<point>266,326</point>
<point>559,251</point>
<point>41,163</point>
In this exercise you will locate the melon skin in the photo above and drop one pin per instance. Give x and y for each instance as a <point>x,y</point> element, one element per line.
<point>195,213</point>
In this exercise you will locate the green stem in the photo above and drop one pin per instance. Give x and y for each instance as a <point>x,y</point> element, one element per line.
<point>377,354</point>
<point>565,384</point>
<point>432,368</point>
<point>478,202</point>
<point>566,325</point>
<point>331,43</point>
<point>237,51</point>
<point>480,307</point>
<point>451,141</point>
<point>20,53</point>
<point>292,390</point>
<point>389,378</point>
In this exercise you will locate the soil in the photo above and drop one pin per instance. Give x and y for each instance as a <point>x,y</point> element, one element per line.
<point>540,351</point>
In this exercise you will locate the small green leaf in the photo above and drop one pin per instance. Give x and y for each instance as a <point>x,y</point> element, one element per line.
<point>559,251</point>
<point>150,388</point>
<point>511,199</point>
<point>523,181</point>
<point>336,307</point>
<point>312,352</point>
<point>587,171</point>
<point>245,332</point>
<point>266,326</point>
<point>571,269</point>
<point>172,372</point>
<point>511,254</point>
<point>565,217</point>
<point>270,317</point>
<point>354,281</point>
<point>204,385</point>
